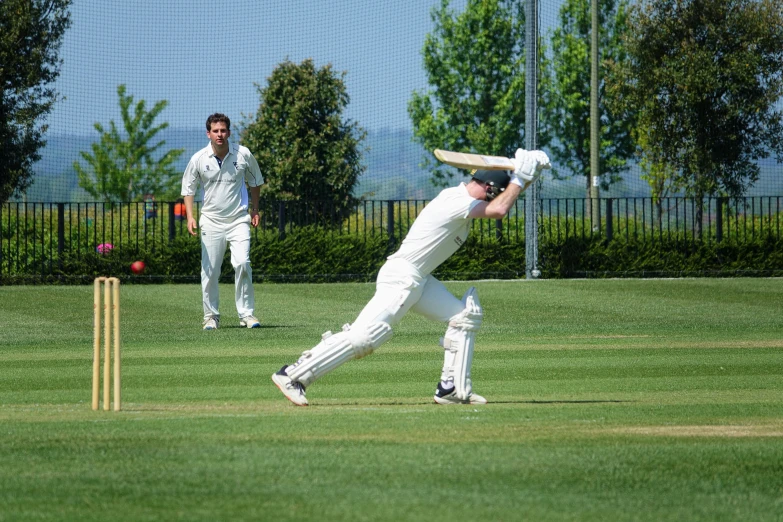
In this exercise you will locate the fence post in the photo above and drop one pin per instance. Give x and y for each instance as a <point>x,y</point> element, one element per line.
<point>281,219</point>
<point>171,221</point>
<point>390,220</point>
<point>719,221</point>
<point>609,229</point>
<point>60,232</point>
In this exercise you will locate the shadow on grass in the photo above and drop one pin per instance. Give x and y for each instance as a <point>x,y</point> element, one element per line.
<point>262,327</point>
<point>332,402</point>
<point>605,401</point>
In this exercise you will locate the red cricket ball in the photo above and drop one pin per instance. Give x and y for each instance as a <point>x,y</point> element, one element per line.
<point>137,267</point>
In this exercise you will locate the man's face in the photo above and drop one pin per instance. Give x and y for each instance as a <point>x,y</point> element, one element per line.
<point>489,194</point>
<point>218,134</point>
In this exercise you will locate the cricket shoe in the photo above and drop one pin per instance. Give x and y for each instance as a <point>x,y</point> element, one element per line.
<point>293,391</point>
<point>212,323</point>
<point>249,321</point>
<point>443,396</point>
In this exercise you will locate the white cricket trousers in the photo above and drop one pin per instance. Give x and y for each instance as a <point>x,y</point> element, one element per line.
<point>214,237</point>
<point>401,287</point>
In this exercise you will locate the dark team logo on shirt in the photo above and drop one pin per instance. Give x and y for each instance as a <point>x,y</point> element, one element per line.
<point>235,165</point>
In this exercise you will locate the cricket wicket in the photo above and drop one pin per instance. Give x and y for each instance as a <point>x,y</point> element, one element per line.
<point>111,321</point>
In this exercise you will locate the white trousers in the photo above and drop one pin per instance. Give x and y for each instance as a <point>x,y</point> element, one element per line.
<point>400,288</point>
<point>214,237</point>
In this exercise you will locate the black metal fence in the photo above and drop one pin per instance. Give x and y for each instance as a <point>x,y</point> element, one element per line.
<point>645,218</point>
<point>35,236</point>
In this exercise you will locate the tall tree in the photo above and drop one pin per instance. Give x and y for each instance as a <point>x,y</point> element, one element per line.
<point>306,148</point>
<point>475,65</point>
<point>126,166</point>
<point>566,100</point>
<point>705,82</point>
<point>31,33</point>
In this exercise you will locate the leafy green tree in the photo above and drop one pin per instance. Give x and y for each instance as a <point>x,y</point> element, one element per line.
<point>306,149</point>
<point>566,100</point>
<point>704,82</point>
<point>125,166</point>
<point>475,64</point>
<point>31,33</point>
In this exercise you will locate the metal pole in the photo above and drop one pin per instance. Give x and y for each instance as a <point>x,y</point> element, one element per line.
<point>595,120</point>
<point>531,126</point>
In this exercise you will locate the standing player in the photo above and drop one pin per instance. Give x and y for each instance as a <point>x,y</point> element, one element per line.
<point>222,169</point>
<point>404,283</point>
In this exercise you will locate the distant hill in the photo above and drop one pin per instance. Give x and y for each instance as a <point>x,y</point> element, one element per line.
<point>393,169</point>
<point>56,179</point>
<point>392,159</point>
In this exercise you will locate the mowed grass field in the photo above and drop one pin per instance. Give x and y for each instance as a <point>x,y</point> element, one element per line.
<point>645,400</point>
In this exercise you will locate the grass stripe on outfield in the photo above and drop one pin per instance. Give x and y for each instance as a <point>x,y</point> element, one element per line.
<point>611,400</point>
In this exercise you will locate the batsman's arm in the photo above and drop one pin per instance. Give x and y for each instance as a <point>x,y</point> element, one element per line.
<point>527,167</point>
<point>498,207</point>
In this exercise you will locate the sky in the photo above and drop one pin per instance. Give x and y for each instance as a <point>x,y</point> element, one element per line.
<point>206,57</point>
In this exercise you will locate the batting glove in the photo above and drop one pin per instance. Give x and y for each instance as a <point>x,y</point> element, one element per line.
<point>528,164</point>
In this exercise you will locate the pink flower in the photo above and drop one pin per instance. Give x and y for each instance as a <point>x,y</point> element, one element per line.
<point>104,248</point>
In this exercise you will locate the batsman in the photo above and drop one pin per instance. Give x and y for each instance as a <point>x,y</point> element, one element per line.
<point>405,283</point>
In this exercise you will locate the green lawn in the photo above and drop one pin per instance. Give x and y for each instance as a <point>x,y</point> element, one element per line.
<point>610,400</point>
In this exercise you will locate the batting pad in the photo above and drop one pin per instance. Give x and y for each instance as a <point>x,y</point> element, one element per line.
<point>337,349</point>
<point>458,344</point>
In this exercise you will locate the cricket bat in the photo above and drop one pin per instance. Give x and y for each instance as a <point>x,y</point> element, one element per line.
<point>469,161</point>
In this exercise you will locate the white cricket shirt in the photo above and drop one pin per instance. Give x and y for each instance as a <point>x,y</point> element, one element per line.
<point>225,194</point>
<point>441,228</point>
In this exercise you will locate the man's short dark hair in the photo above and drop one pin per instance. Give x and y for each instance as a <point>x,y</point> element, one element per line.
<point>216,118</point>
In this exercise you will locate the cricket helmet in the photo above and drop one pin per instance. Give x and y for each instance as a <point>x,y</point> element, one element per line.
<point>497,180</point>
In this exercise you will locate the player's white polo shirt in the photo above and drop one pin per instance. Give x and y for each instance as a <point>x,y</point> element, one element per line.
<point>225,195</point>
<point>439,231</point>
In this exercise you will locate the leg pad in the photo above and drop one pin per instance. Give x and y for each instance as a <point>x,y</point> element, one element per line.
<point>337,349</point>
<point>458,344</point>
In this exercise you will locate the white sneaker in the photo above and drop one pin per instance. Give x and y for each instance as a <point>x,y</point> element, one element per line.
<point>293,391</point>
<point>249,321</point>
<point>450,397</point>
<point>212,323</point>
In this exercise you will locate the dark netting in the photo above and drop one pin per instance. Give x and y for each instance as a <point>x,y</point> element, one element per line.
<point>204,57</point>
